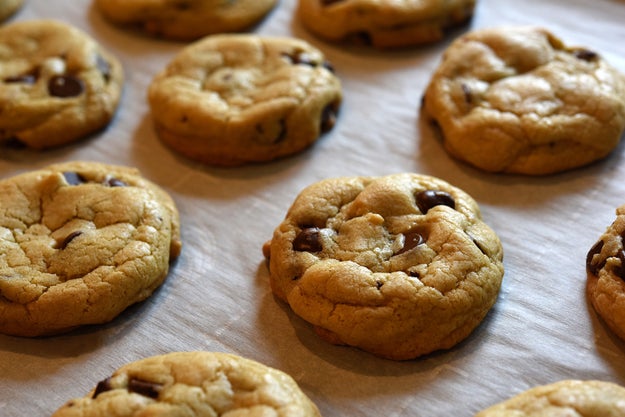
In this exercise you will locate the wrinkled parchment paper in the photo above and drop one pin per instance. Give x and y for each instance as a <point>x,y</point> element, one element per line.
<point>217,296</point>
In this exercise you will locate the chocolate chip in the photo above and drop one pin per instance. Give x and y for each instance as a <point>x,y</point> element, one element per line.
<point>329,2</point>
<point>430,198</point>
<point>69,238</point>
<point>414,274</point>
<point>328,117</point>
<point>145,388</point>
<point>25,79</point>
<point>103,386</point>
<point>308,240</point>
<point>412,239</point>
<point>114,182</point>
<point>467,93</point>
<point>585,54</point>
<point>300,58</point>
<point>65,86</point>
<point>74,178</point>
<point>379,284</point>
<point>595,250</point>
<point>104,67</point>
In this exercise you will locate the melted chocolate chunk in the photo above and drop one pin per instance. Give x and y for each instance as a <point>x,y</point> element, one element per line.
<point>69,238</point>
<point>25,78</point>
<point>412,239</point>
<point>103,386</point>
<point>430,198</point>
<point>595,250</point>
<point>65,86</point>
<point>585,54</point>
<point>308,240</point>
<point>328,117</point>
<point>104,67</point>
<point>145,388</point>
<point>467,93</point>
<point>114,182</point>
<point>74,178</point>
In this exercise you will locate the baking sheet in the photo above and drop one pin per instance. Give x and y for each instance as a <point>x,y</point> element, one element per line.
<point>217,296</point>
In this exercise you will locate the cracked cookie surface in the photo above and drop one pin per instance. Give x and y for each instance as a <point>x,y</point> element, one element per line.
<point>194,384</point>
<point>384,23</point>
<point>236,99</point>
<point>399,265</point>
<point>80,242</point>
<point>605,268</point>
<point>186,20</point>
<point>517,100</point>
<point>578,398</point>
<point>57,85</point>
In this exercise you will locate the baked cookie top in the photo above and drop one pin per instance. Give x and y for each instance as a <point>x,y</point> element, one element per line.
<point>399,265</point>
<point>239,98</point>
<point>186,19</point>
<point>518,100</point>
<point>587,398</point>
<point>384,23</point>
<point>80,242</point>
<point>605,266</point>
<point>9,7</point>
<point>194,384</point>
<point>57,84</point>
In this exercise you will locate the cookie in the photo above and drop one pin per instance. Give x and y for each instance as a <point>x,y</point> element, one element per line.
<point>399,265</point>
<point>186,20</point>
<point>605,267</point>
<point>384,23</point>
<point>583,398</point>
<point>193,384</point>
<point>237,99</point>
<point>9,7</point>
<point>57,85</point>
<point>517,100</point>
<point>80,242</point>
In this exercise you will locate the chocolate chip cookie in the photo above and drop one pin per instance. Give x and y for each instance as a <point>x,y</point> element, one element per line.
<point>517,100</point>
<point>193,384</point>
<point>580,398</point>
<point>238,98</point>
<point>80,242</point>
<point>399,265</point>
<point>9,7</point>
<point>384,23</point>
<point>57,85</point>
<point>605,267</point>
<point>186,19</point>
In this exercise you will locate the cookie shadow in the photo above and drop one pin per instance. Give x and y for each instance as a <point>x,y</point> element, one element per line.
<point>293,341</point>
<point>501,189</point>
<point>158,160</point>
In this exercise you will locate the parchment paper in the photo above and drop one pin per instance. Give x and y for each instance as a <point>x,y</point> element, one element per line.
<point>541,330</point>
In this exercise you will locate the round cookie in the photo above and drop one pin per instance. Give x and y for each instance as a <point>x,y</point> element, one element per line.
<point>80,242</point>
<point>9,7</point>
<point>583,398</point>
<point>238,98</point>
<point>186,19</point>
<point>57,85</point>
<point>399,265</point>
<point>193,383</point>
<point>517,100</point>
<point>384,23</point>
<point>605,267</point>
